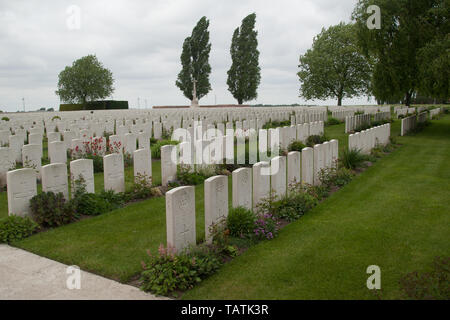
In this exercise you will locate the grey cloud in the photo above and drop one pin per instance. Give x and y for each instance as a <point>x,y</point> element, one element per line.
<point>140,41</point>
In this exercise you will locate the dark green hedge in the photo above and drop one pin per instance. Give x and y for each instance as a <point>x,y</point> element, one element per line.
<point>95,105</point>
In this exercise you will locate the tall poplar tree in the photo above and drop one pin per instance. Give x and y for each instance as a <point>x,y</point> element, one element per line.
<point>244,74</point>
<point>195,61</point>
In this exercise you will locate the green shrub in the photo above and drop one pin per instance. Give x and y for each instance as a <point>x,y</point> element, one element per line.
<point>13,228</point>
<point>97,162</point>
<point>95,105</point>
<point>388,148</point>
<point>295,205</point>
<point>166,271</point>
<point>291,207</point>
<point>377,152</point>
<point>335,177</point>
<point>51,210</point>
<point>95,204</point>
<point>70,107</point>
<point>156,148</point>
<point>142,187</point>
<point>315,139</point>
<point>91,204</point>
<point>186,177</point>
<point>352,159</point>
<point>56,117</point>
<point>220,240</point>
<point>433,285</point>
<point>241,222</point>
<point>5,118</point>
<point>332,121</point>
<point>296,146</point>
<point>116,200</point>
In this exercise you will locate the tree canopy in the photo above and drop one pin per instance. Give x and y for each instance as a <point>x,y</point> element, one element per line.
<point>195,61</point>
<point>411,49</point>
<point>244,74</point>
<point>86,80</point>
<point>334,67</point>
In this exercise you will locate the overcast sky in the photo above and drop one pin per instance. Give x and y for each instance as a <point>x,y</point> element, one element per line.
<point>140,42</point>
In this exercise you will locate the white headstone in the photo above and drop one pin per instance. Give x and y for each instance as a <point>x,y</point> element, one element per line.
<point>31,157</point>
<point>278,176</point>
<point>242,188</point>
<point>216,201</point>
<point>261,182</point>
<point>57,152</point>
<point>168,164</point>
<point>114,178</point>
<point>54,179</point>
<point>21,188</point>
<point>6,164</point>
<point>15,146</point>
<point>142,164</point>
<point>85,169</point>
<point>180,217</point>
<point>307,165</point>
<point>293,170</point>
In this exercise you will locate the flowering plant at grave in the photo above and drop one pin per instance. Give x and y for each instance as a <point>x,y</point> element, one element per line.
<point>93,146</point>
<point>76,153</point>
<point>167,271</point>
<point>266,226</point>
<point>114,147</point>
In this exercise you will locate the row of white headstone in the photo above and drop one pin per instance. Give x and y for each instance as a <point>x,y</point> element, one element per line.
<point>22,183</point>
<point>366,140</point>
<point>356,121</point>
<point>214,148</point>
<point>408,124</point>
<point>404,111</point>
<point>134,121</point>
<point>249,187</point>
<point>342,114</point>
<point>422,117</point>
<point>434,112</point>
<point>382,116</point>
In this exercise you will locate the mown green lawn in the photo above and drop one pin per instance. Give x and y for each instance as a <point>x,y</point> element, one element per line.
<point>394,215</point>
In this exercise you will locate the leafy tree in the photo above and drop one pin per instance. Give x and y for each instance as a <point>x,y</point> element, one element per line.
<point>195,61</point>
<point>86,80</point>
<point>334,67</point>
<point>244,74</point>
<point>406,50</point>
<point>434,57</point>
